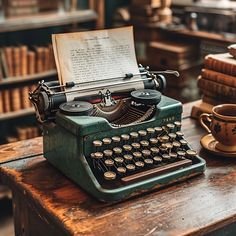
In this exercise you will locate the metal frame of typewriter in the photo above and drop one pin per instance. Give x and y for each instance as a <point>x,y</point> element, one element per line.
<point>67,141</point>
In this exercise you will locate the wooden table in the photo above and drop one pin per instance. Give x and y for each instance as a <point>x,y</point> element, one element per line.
<point>47,203</point>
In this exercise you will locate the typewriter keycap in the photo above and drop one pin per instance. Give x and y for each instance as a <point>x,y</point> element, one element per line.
<point>125,137</point>
<point>139,164</point>
<point>137,154</point>
<point>153,141</point>
<point>121,170</point>
<point>119,160</point>
<point>146,152</point>
<point>191,153</point>
<point>106,141</point>
<point>183,142</point>
<point>109,175</point>
<point>142,133</point>
<point>166,157</point>
<point>179,134</point>
<point>172,136</point>
<point>133,134</point>
<point>157,159</point>
<point>128,157</point>
<point>98,155</point>
<point>181,153</point>
<point>151,130</point>
<point>116,139</point>
<point>170,127</point>
<point>117,150</point>
<point>154,150</point>
<point>130,167</point>
<point>163,148</point>
<point>176,144</point>
<point>168,145</point>
<point>178,124</point>
<point>97,143</point>
<point>135,145</point>
<point>144,143</point>
<point>108,153</point>
<point>173,155</point>
<point>109,162</point>
<point>158,129</point>
<point>164,138</point>
<point>127,148</point>
<point>148,161</point>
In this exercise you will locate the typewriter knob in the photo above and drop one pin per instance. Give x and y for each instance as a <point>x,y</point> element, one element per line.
<point>107,153</point>
<point>128,157</point>
<point>127,148</point>
<point>137,154</point>
<point>179,134</point>
<point>172,136</point>
<point>178,125</point>
<point>98,155</point>
<point>117,150</point>
<point>148,161</point>
<point>181,153</point>
<point>109,175</point>
<point>116,139</point>
<point>134,134</point>
<point>97,143</point>
<point>170,127</point>
<point>130,167</point>
<point>157,159</point>
<point>183,142</point>
<point>146,96</point>
<point>158,129</point>
<point>191,153</point>
<point>166,157</point>
<point>154,150</point>
<point>173,155</point>
<point>144,143</point>
<point>176,144</point>
<point>107,141</point>
<point>109,162</point>
<point>125,137</point>
<point>164,139</point>
<point>142,133</point>
<point>139,164</point>
<point>146,152</point>
<point>151,130</point>
<point>121,170</point>
<point>168,145</point>
<point>153,140</point>
<point>135,145</point>
<point>119,160</point>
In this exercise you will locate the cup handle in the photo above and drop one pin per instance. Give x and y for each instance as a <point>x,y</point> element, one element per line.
<point>205,117</point>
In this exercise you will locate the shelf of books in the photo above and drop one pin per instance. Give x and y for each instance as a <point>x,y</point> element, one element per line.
<point>44,20</point>
<point>17,114</point>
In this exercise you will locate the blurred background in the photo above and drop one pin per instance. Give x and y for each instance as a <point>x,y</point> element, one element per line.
<point>169,35</point>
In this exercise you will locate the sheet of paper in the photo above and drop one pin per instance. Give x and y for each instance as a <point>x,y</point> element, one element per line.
<point>95,55</point>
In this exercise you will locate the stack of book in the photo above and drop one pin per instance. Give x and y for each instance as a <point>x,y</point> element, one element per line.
<point>20,7</point>
<point>21,61</point>
<point>15,99</point>
<point>144,11</point>
<point>217,83</point>
<point>23,133</point>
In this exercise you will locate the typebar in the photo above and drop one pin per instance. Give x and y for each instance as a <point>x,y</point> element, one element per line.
<point>156,171</point>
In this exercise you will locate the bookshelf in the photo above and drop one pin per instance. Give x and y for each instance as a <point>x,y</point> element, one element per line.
<point>92,17</point>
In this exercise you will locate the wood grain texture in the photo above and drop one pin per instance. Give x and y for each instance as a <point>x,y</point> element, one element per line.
<point>194,207</point>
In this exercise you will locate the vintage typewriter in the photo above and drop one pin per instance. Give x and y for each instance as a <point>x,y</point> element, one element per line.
<point>115,144</point>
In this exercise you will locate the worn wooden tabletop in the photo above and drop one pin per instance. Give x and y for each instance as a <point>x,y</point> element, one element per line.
<point>194,207</point>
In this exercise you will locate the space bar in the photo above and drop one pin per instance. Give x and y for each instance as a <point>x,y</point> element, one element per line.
<point>156,171</point>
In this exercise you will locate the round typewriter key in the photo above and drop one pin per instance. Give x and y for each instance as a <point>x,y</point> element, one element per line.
<point>173,155</point>
<point>164,138</point>
<point>176,144</point>
<point>108,153</point>
<point>154,150</point>
<point>179,134</point>
<point>168,145</point>
<point>125,137</point>
<point>178,124</point>
<point>166,157</point>
<point>119,160</point>
<point>128,157</point>
<point>133,134</point>
<point>142,133</point>
<point>116,139</point>
<point>158,129</point>
<point>163,149</point>
<point>117,150</point>
<point>127,148</point>
<point>148,161</point>
<point>109,175</point>
<point>170,126</point>
<point>121,170</point>
<point>191,153</point>
<point>137,154</point>
<point>135,145</point>
<point>151,130</point>
<point>139,164</point>
<point>153,141</point>
<point>183,142</point>
<point>106,141</point>
<point>172,136</point>
<point>97,143</point>
<point>181,153</point>
<point>157,159</point>
<point>144,143</point>
<point>109,162</point>
<point>146,152</point>
<point>98,155</point>
<point>130,167</point>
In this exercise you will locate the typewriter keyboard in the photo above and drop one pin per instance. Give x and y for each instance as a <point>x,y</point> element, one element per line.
<point>140,155</point>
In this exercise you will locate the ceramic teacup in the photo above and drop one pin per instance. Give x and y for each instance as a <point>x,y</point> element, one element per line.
<point>221,123</point>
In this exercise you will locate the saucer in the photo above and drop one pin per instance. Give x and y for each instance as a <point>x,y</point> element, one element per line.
<point>209,143</point>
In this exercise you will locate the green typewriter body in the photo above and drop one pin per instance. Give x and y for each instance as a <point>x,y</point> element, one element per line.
<point>118,151</point>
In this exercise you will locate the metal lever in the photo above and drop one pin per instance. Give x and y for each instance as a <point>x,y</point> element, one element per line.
<point>173,72</point>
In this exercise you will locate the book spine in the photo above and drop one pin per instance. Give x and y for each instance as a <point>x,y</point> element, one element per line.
<point>1,102</point>
<point>24,60</point>
<point>216,88</point>
<point>219,77</point>
<point>46,59</point>
<point>6,100</point>
<point>39,59</point>
<point>8,52</point>
<point>15,99</point>
<point>16,61</point>
<point>220,66</point>
<point>31,62</point>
